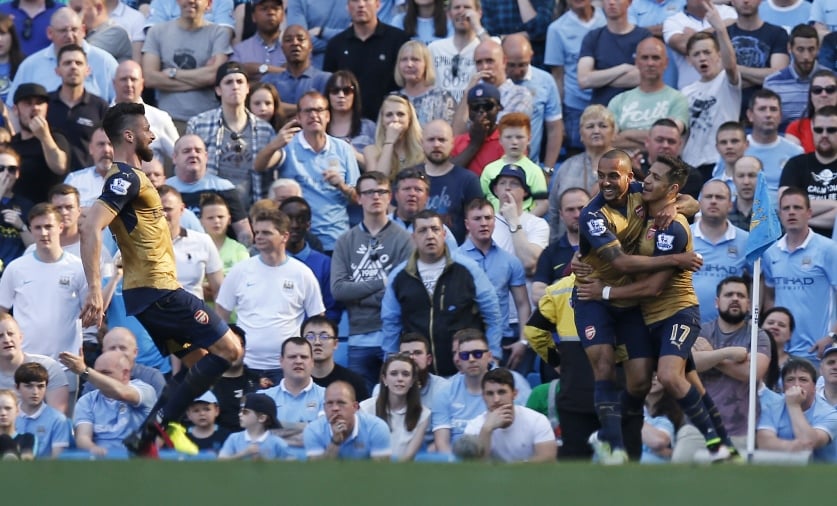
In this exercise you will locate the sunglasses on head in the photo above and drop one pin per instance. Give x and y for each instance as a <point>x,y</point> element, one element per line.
<point>829,130</point>
<point>410,174</point>
<point>464,355</point>
<point>830,89</point>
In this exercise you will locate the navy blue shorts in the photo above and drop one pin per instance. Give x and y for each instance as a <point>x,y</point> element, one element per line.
<point>598,322</point>
<point>179,322</point>
<point>677,334</point>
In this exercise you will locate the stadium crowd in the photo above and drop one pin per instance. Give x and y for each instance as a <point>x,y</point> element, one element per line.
<point>439,229</point>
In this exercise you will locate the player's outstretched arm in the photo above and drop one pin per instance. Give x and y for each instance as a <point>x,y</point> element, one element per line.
<point>98,217</point>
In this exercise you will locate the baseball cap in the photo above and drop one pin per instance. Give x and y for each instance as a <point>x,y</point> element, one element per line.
<point>511,170</point>
<point>263,405</point>
<point>207,397</point>
<point>483,91</point>
<point>830,349</point>
<point>257,2</point>
<point>28,90</point>
<point>230,67</point>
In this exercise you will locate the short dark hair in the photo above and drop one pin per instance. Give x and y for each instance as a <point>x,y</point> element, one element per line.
<point>119,117</point>
<point>278,218</point>
<point>415,337</point>
<point>566,192</point>
<point>478,203</point>
<point>764,93</point>
<point>319,319</point>
<point>63,189</point>
<point>297,200</point>
<point>31,372</point>
<point>779,309</point>
<point>803,31</point>
<point>465,335</point>
<point>618,155</point>
<point>731,125</point>
<point>43,209</point>
<point>165,189</point>
<point>699,36</point>
<point>795,364</point>
<point>373,175</point>
<point>213,199</point>
<point>67,49</point>
<point>499,375</point>
<point>733,279</point>
<point>313,94</point>
<point>666,122</point>
<point>826,112</point>
<point>678,170</point>
<point>299,341</point>
<point>793,190</point>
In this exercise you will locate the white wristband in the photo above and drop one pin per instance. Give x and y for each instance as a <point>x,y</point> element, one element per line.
<point>606,293</point>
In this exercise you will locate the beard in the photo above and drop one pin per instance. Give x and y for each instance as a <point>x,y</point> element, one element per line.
<point>733,318</point>
<point>145,153</point>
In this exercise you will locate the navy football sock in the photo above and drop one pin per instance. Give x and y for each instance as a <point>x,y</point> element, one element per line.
<point>692,406</point>
<point>717,422</point>
<point>196,381</point>
<point>609,412</point>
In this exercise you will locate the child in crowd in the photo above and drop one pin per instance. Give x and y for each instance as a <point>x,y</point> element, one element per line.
<point>50,427</point>
<point>204,432</point>
<point>13,445</point>
<point>515,134</point>
<point>257,417</point>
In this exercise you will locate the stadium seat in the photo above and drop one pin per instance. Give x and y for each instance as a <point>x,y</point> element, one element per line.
<point>168,454</point>
<point>435,457</point>
<point>534,379</point>
<point>76,454</point>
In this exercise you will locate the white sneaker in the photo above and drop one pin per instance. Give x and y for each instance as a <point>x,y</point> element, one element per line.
<point>604,454</point>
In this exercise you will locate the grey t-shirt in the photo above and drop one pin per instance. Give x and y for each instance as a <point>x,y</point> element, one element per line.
<point>57,376</point>
<point>729,394</point>
<point>187,50</point>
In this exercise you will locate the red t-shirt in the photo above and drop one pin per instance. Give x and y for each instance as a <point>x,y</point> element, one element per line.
<point>490,151</point>
<point>801,129</point>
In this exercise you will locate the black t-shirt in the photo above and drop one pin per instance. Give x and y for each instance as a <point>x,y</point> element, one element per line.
<point>35,178</point>
<point>449,194</point>
<point>340,373</point>
<point>808,174</point>
<point>212,443</point>
<point>77,123</point>
<point>229,392</point>
<point>554,262</point>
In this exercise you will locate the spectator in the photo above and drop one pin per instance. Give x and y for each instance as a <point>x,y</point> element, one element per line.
<point>88,181</point>
<point>11,55</point>
<point>722,355</point>
<point>716,97</point>
<point>32,23</point>
<point>451,186</point>
<point>828,52</point>
<point>216,220</point>
<point>745,174</point>
<point>799,274</point>
<point>269,320</point>
<point>284,188</point>
<point>481,144</point>
<point>563,44</point>
<point>346,432</point>
<point>799,420</point>
<point>102,31</point>
<point>546,106</point>
<point>722,245</point>
<point>264,102</point>
<point>827,388</point>
<point>257,418</point>
<point>203,431</point>
<point>323,20</point>
<point>72,109</point>
<point>347,121</point>
<point>368,48</point>
<point>416,75</point>
<point>50,426</point>
<point>510,433</point>
<point>823,19</point>
<point>530,18</point>
<point>453,56</point>
<point>363,261</point>
<point>298,246</point>
<point>104,417</point>
<point>412,189</point>
<point>235,135</point>
<point>398,403</point>
<point>785,13</point>
<point>815,171</point>
<point>731,142</point>
<point>397,138</point>
<point>424,22</point>
<point>66,29</point>
<point>121,339</point>
<point>638,108</point>
<point>129,84</point>
<point>431,271</point>
<point>299,74</point>
<point>321,332</point>
<point>606,63</point>
<point>666,138</point>
<point>163,11</point>
<point>13,445</point>
<point>792,83</point>
<point>260,53</point>
<point>233,385</point>
<point>418,348</point>
<point>779,323</point>
<point>598,129</point>
<point>14,210</point>
<point>12,357</point>
<point>129,18</point>
<point>180,59</point>
<point>821,92</point>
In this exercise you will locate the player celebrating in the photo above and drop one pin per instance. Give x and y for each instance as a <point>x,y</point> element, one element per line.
<point>669,303</point>
<point>178,322</point>
<point>612,220</point>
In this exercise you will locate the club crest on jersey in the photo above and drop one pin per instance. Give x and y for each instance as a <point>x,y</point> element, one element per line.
<point>201,317</point>
<point>640,211</point>
<point>650,234</point>
<point>590,332</point>
<point>665,242</point>
<point>120,186</point>
<point>596,227</point>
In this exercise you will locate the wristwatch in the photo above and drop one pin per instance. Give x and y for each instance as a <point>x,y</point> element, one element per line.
<point>172,72</point>
<point>518,228</point>
<point>85,374</point>
<point>263,68</point>
<point>833,336</point>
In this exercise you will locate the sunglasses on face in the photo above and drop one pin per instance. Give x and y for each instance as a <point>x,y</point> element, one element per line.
<point>345,90</point>
<point>464,355</point>
<point>828,130</point>
<point>829,90</point>
<point>482,107</point>
<point>10,168</point>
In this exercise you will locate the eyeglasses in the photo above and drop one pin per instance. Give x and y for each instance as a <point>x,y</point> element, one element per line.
<point>10,168</point>
<point>398,94</point>
<point>830,90</point>
<point>464,355</point>
<point>454,71</point>
<point>828,130</point>
<point>482,107</point>
<point>380,192</point>
<point>313,110</point>
<point>27,29</point>
<point>346,90</point>
<point>322,336</point>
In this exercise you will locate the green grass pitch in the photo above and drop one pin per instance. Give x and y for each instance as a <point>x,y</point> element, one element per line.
<point>146,483</point>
